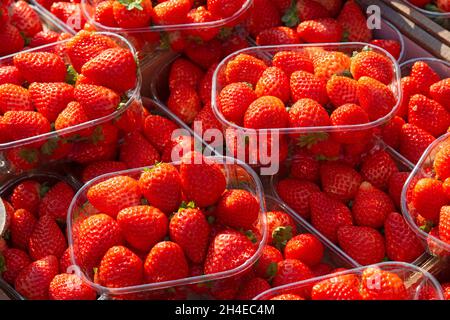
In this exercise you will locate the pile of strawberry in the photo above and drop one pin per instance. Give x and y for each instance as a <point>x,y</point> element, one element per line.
<point>432,5</point>
<point>312,21</point>
<point>353,204</point>
<point>69,12</point>
<point>35,258</point>
<point>428,200</point>
<point>424,113</point>
<point>22,28</point>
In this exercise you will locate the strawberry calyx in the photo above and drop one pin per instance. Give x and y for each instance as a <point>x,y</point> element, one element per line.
<point>251,236</point>
<point>72,75</point>
<point>432,7</point>
<point>224,33</point>
<point>132,4</point>
<point>272,270</point>
<point>29,155</point>
<point>211,220</point>
<point>188,205</point>
<point>427,226</point>
<point>291,18</point>
<point>345,36</point>
<point>310,139</point>
<point>43,189</point>
<point>281,236</point>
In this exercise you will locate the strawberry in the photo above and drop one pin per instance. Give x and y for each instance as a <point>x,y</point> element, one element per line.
<point>34,66</point>
<point>349,114</point>
<point>120,268</point>
<point>339,180</point>
<point>328,215</point>
<point>290,271</point>
<point>440,92</point>
<point>43,38</point>
<point>424,76</point>
<point>414,141</point>
<point>443,5</point>
<point>428,197</point>
<point>165,262</point>
<point>184,102</point>
<point>277,35</point>
<point>22,159</point>
<point>395,186</point>
<point>65,262</point>
<point>46,239</point>
<point>224,8</point>
<point>190,230</point>
<point>202,180</point>
<point>234,100</point>
<point>444,224</point>
<point>50,98</point>
<point>342,90</point>
<point>11,40</point>
<point>428,115</point>
<point>237,209</point>
<point>132,14</point>
<point>205,84</point>
<point>304,167</point>
<point>210,125</point>
<point>440,164</point>
<point>94,236</point>
<point>354,22</point>
<point>97,101</point>
<point>376,98</point>
<point>137,152</point>
<point>56,201</point>
<point>233,43</point>
<point>27,195</point>
<point>377,284</point>
<point>158,131</point>
<point>25,19</point>
<point>34,280</point>
<point>372,64</point>
<point>171,12</point>
<point>343,287</point>
<point>161,186</point>
<point>112,195</point>
<point>291,61</point>
<point>184,72</point>
<point>287,296</point>
<point>15,261</point>
<point>11,75</point>
<point>252,288</point>
<point>377,169</point>
<point>305,10</point>
<point>204,54</point>
<point>71,116</point>
<point>391,46</point>
<point>104,14</point>
<point>409,88</point>
<point>266,112</point>
<point>177,148</point>
<point>266,265</point>
<point>202,15</point>
<point>322,147</point>
<point>306,248</point>
<point>273,82</point>
<point>14,98</point>
<point>332,6</point>
<point>308,113</point>
<point>101,167</point>
<point>331,63</point>
<point>263,15</point>
<point>113,68</point>
<point>86,45</point>
<point>69,13</point>
<point>245,68</point>
<point>306,85</point>
<point>320,30</point>
<point>25,124</point>
<point>391,131</point>
<point>352,239</point>
<point>228,250</point>
<point>70,287</point>
<point>295,193</point>
<point>280,228</point>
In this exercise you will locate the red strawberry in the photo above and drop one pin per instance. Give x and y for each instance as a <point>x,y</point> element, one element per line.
<point>424,76</point>
<point>15,261</point>
<point>332,6</point>
<point>25,19</point>
<point>10,74</point>
<point>104,14</point>
<point>245,68</point>
<point>112,195</point>
<point>120,268</point>
<point>14,98</point>
<point>364,244</point>
<point>307,85</point>
<point>190,230</point>
<point>391,131</point>
<point>202,15</point>
<point>440,92</point>
<point>374,65</point>
<point>101,167</point>
<point>56,201</point>
<point>377,284</point>
<point>305,10</point>
<point>440,164</point>
<point>414,141</point>
<point>229,249</point>
<point>65,262</point>
<point>391,46</point>
<point>158,130</point>
<point>184,72</point>
<point>137,152</point>
<point>377,169</point>
<point>178,147</point>
<point>328,215</point>
<point>69,13</point>
<point>339,180</point>
<point>306,248</point>
<point>444,224</point>
<point>273,82</point>
<point>291,61</point>
<point>376,98</point>
<point>308,113</point>
<point>342,90</point>
<point>252,288</point>
<point>280,228</point>
<point>11,40</point>
<point>210,125</point>
<point>132,14</point>
<point>234,100</point>
<point>304,167</point>
<point>46,239</point>
<point>277,35</point>
<point>428,115</point>
<point>34,66</point>
<point>73,115</point>
<point>266,265</point>
<point>27,195</point>
<point>43,38</point>
<point>171,12</point>
<point>25,124</point>
<point>97,101</point>
<point>344,287</point>
<point>409,88</point>
<point>202,180</point>
<point>237,209</point>
<point>34,280</point>
<point>296,194</point>
<point>22,226</point>
<point>290,271</point>
<point>165,262</point>
<point>22,158</point>
<point>428,197</point>
<point>263,15</point>
<point>224,8</point>
<point>50,98</point>
<point>266,112</point>
<point>331,63</point>
<point>204,54</point>
<point>70,287</point>
<point>184,102</point>
<point>395,186</point>
<point>357,29</point>
<point>349,114</point>
<point>205,85</point>
<point>320,30</point>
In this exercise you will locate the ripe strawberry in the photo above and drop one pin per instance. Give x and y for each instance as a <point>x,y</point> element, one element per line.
<point>70,116</point>
<point>391,132</point>
<point>50,98</point>
<point>280,228</point>
<point>308,113</point>
<point>34,280</point>
<point>202,180</point>
<point>372,64</point>
<point>184,102</point>
<point>208,121</point>
<point>343,287</point>
<point>234,100</point>
<point>70,287</point>
<point>116,193</point>
<point>11,40</point>
<point>15,261</point>
<point>428,197</point>
<point>158,131</point>
<point>245,68</point>
<point>377,169</point>
<point>424,76</point>
<point>202,15</point>
<point>27,195</point>
<point>291,61</point>
<point>34,66</point>
<point>263,15</point>
<point>296,194</point>
<point>184,72</point>
<point>349,114</point>
<point>204,54</point>
<point>120,268</point>
<point>69,13</point>
<point>304,167</point>
<point>65,262</point>
<point>266,112</point>
<point>391,46</point>
<point>395,186</point>
<point>273,82</point>
<point>86,45</point>
<point>104,14</point>
<point>320,30</point>
<point>414,141</point>
<point>93,237</point>
<point>237,208</point>
<point>440,164</point>
<point>190,230</point>
<point>290,271</point>
<point>165,262</point>
<point>22,225</point>
<point>339,180</point>
<point>377,284</point>
<point>331,63</point>
<point>137,152</point>
<point>328,215</point>
<point>233,43</point>
<point>287,296</point>
<point>22,159</point>
<point>354,22</point>
<point>56,201</point>
<point>428,115</point>
<point>306,85</point>
<point>205,84</point>
<point>409,88</point>
<point>252,288</point>
<point>444,224</point>
<point>177,148</point>
<point>229,249</point>
<point>171,12</point>
<point>342,90</point>
<point>14,98</point>
<point>266,265</point>
<point>113,68</point>
<point>305,10</point>
<point>25,19</point>
<point>277,36</point>
<point>322,147</point>
<point>306,248</point>
<point>353,239</point>
<point>11,75</point>
<point>376,98</point>
<point>46,239</point>
<point>25,124</point>
<point>99,168</point>
<point>440,92</point>
<point>97,101</point>
<point>43,38</point>
<point>223,8</point>
<point>132,14</point>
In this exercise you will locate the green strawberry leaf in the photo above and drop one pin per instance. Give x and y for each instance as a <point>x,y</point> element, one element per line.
<point>225,33</point>
<point>251,236</point>
<point>345,36</point>
<point>291,18</point>
<point>71,75</point>
<point>97,136</point>
<point>50,146</point>
<point>144,202</point>
<point>132,4</point>
<point>29,155</point>
<point>281,236</point>
<point>43,189</point>
<point>272,270</point>
<point>432,7</point>
<point>211,219</point>
<point>310,139</point>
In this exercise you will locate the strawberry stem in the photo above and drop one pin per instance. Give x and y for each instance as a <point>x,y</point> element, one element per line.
<point>132,4</point>
<point>291,18</point>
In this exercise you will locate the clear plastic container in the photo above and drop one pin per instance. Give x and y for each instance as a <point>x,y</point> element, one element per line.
<point>265,53</point>
<point>49,21</point>
<point>238,176</point>
<point>443,18</point>
<point>441,67</point>
<point>424,169</point>
<point>417,281</point>
<point>131,105</point>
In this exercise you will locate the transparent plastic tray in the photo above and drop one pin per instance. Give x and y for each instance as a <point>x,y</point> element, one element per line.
<point>49,20</point>
<point>439,16</point>
<point>416,280</point>
<point>238,176</point>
